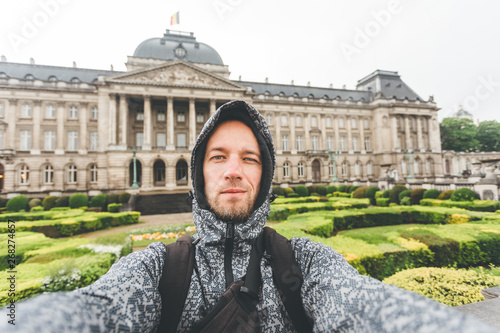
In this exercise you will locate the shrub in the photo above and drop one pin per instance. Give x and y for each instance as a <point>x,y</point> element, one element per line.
<point>279,190</point>
<point>292,195</point>
<point>124,197</point>
<point>99,201</point>
<point>404,194</point>
<point>394,193</point>
<point>3,202</point>
<point>311,189</point>
<point>342,188</point>
<point>112,198</point>
<point>34,202</point>
<point>315,194</point>
<point>321,190</point>
<point>78,200</point>
<point>17,203</point>
<point>445,195</point>
<point>417,195</point>
<point>405,201</point>
<point>386,194</point>
<point>36,209</point>
<point>288,191</point>
<point>62,201</point>
<point>371,192</point>
<point>378,194</point>
<point>352,189</point>
<point>49,202</point>
<point>114,207</point>
<point>360,192</point>
<point>330,189</point>
<point>463,194</point>
<point>431,194</point>
<point>382,202</point>
<point>302,191</point>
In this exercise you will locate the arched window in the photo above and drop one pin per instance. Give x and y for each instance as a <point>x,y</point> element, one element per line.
<point>428,166</point>
<point>300,169</point>
<point>286,169</point>
<point>159,173</point>
<point>316,171</point>
<point>369,168</point>
<point>403,167</point>
<point>345,168</point>
<point>181,172</point>
<point>93,173</point>
<point>331,169</point>
<point>416,166</point>
<point>357,168</point>
<point>72,174</point>
<point>24,175</point>
<point>48,174</point>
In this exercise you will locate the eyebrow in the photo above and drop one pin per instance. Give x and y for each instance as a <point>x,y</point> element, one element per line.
<point>245,151</point>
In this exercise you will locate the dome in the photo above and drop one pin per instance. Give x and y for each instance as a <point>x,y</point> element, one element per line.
<point>178,46</point>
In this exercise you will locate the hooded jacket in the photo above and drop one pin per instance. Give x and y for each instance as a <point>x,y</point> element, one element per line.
<point>334,295</point>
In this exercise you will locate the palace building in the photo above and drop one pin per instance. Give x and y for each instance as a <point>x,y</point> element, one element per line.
<point>67,129</point>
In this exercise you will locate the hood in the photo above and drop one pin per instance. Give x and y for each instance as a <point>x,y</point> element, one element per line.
<point>242,111</point>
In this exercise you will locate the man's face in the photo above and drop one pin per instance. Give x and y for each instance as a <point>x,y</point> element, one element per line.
<point>232,171</point>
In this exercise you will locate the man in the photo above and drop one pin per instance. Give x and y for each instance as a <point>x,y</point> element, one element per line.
<point>232,169</point>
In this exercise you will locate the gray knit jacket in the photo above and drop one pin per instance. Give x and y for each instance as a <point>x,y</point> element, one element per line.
<point>334,295</point>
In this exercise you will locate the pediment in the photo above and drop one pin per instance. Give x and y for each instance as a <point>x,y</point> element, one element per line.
<point>178,74</point>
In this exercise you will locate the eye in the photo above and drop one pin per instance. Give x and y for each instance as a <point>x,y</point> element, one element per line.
<point>217,158</point>
<point>252,160</point>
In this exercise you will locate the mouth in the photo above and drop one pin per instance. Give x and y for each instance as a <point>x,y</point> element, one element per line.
<point>233,191</point>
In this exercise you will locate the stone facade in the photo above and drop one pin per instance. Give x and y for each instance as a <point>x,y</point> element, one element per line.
<point>65,130</point>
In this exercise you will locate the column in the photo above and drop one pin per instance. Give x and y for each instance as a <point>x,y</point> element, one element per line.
<point>407,132</point>
<point>394,123</point>
<point>361,125</point>
<point>170,124</point>
<point>212,107</point>
<point>292,141</point>
<point>147,127</point>
<point>124,121</point>
<point>11,120</point>
<point>35,146</point>
<point>350,148</point>
<point>82,146</point>
<point>337,134</point>
<point>420,139</point>
<point>307,134</point>
<point>112,119</point>
<point>322,126</point>
<point>192,123</point>
<point>60,129</point>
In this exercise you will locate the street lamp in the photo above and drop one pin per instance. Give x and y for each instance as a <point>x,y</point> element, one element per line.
<point>134,183</point>
<point>333,157</point>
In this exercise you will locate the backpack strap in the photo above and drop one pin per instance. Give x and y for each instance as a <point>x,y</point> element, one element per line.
<point>175,281</point>
<point>287,277</point>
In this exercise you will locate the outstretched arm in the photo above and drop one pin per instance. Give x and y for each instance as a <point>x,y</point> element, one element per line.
<point>338,298</point>
<point>125,299</point>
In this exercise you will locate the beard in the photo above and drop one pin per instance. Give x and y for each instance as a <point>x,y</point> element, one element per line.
<point>236,210</point>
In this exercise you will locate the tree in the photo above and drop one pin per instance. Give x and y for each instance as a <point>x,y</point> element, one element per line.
<point>458,134</point>
<point>488,135</point>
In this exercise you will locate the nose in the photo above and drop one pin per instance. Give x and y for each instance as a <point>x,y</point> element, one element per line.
<point>233,168</point>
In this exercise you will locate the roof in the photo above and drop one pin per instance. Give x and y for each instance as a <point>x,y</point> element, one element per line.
<point>306,91</point>
<point>389,84</point>
<point>43,72</point>
<point>178,46</point>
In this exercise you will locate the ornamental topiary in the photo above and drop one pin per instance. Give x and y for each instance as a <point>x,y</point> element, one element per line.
<point>114,207</point>
<point>417,195</point>
<point>17,203</point>
<point>370,194</point>
<point>78,200</point>
<point>463,194</point>
<point>278,190</point>
<point>331,189</point>
<point>99,201</point>
<point>34,202</point>
<point>112,198</point>
<point>342,188</point>
<point>445,195</point>
<point>386,194</point>
<point>3,202</point>
<point>49,202</point>
<point>288,191</point>
<point>311,189</point>
<point>301,190</point>
<point>404,194</point>
<point>321,190</point>
<point>124,197</point>
<point>405,201</point>
<point>360,192</point>
<point>352,188</point>
<point>394,193</point>
<point>62,201</point>
<point>431,194</point>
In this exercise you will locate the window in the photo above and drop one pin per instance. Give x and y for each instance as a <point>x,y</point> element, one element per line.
<point>269,119</point>
<point>139,139</point>
<point>300,169</point>
<point>403,167</point>
<point>299,142</point>
<point>328,122</point>
<point>284,120</point>
<point>25,140</point>
<point>181,117</point>
<point>424,124</point>
<point>161,140</point>
<point>298,121</point>
<point>140,115</point>
<point>344,168</point>
<point>24,175</point>
<point>286,169</point>
<point>329,141</point>
<point>416,166</point>
<point>200,117</point>
<point>181,140</point>
<point>368,146</point>
<point>342,143</point>
<point>94,141</point>
<point>93,173</point>
<point>284,142</point>
<point>93,112</point>
<point>73,112</point>
<point>398,143</point>
<point>355,143</point>
<point>331,169</point>
<point>72,174</point>
<point>49,140</point>
<point>369,168</point>
<point>366,124</point>
<point>412,124</point>
<point>341,123</point>
<point>72,140</point>
<point>315,142</point>
<point>1,109</point>
<point>354,123</point>
<point>314,121</point>
<point>428,166</point>
<point>48,175</point>
<point>26,111</point>
<point>50,111</point>
<point>160,116</point>
<point>357,168</point>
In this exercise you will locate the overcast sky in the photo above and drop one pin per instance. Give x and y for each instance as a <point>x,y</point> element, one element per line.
<point>449,49</point>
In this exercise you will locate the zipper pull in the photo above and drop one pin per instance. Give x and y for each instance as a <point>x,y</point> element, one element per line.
<point>230,230</point>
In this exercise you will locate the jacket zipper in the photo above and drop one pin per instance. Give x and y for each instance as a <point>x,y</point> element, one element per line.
<point>228,254</point>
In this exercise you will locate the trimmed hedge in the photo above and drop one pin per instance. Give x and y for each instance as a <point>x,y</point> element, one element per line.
<point>431,194</point>
<point>279,190</point>
<point>382,202</point>
<point>417,195</point>
<point>288,191</point>
<point>78,200</point>
<point>445,195</point>
<point>114,207</point>
<point>34,203</point>
<point>124,197</point>
<point>321,190</point>
<point>342,188</point>
<point>331,189</point>
<point>112,198</point>
<point>404,194</point>
<point>463,194</point>
<point>360,192</point>
<point>394,193</point>
<point>98,201</point>
<point>49,202</point>
<point>302,191</point>
<point>386,194</point>
<point>62,201</point>
<point>17,203</point>
<point>370,194</point>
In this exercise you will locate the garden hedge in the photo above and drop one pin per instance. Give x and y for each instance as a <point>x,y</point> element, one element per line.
<point>417,195</point>
<point>17,203</point>
<point>394,193</point>
<point>463,194</point>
